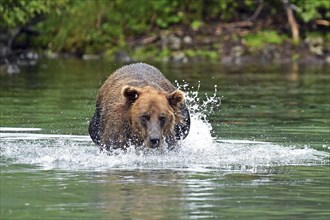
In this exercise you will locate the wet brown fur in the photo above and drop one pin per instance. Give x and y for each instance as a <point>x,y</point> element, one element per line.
<point>129,92</point>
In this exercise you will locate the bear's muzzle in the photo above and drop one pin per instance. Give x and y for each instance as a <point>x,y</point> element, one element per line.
<point>154,143</point>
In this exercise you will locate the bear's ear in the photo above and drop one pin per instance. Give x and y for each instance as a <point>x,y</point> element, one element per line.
<point>131,93</point>
<point>176,98</point>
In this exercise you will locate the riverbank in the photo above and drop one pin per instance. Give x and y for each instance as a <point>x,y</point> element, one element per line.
<point>229,43</point>
<point>231,32</point>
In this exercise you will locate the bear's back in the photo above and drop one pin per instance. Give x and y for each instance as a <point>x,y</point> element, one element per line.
<point>140,75</point>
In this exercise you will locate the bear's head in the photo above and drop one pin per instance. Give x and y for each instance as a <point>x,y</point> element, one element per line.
<point>153,114</point>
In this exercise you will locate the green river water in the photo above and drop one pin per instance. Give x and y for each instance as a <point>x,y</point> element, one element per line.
<point>263,153</point>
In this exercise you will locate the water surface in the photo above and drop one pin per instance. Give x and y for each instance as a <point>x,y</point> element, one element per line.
<point>263,153</point>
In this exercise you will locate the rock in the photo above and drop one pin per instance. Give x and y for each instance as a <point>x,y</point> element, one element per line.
<point>237,51</point>
<point>171,42</point>
<point>91,57</point>
<point>187,40</point>
<point>226,60</point>
<point>315,45</point>
<point>4,51</point>
<point>28,55</point>
<point>12,69</point>
<point>122,57</point>
<point>235,56</point>
<point>51,55</point>
<point>327,59</point>
<point>179,57</point>
<point>27,58</point>
<point>31,55</point>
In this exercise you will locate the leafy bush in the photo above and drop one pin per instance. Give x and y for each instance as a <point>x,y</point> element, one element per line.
<point>261,38</point>
<point>310,10</point>
<point>15,13</point>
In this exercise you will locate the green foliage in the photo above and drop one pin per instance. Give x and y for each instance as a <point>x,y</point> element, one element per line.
<point>261,38</point>
<point>212,55</point>
<point>102,24</point>
<point>96,26</point>
<point>146,53</point>
<point>295,56</point>
<point>83,27</point>
<point>15,13</point>
<point>152,52</point>
<point>195,25</point>
<point>165,12</point>
<point>310,10</point>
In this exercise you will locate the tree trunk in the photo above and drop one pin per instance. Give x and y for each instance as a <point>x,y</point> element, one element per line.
<point>292,22</point>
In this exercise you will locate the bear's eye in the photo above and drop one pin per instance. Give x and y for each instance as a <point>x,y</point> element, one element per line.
<point>144,119</point>
<point>162,120</point>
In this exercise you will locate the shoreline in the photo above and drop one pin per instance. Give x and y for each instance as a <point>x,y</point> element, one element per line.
<point>229,44</point>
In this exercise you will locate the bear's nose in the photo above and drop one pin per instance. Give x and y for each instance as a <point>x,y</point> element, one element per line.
<point>154,142</point>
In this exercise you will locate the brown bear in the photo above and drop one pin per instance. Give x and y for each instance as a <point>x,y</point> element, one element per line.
<point>138,106</point>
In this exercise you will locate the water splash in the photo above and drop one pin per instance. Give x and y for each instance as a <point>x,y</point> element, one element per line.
<point>200,106</point>
<point>198,152</point>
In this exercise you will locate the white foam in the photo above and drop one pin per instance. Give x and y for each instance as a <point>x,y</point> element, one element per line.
<point>32,136</point>
<point>197,153</point>
<point>2,129</point>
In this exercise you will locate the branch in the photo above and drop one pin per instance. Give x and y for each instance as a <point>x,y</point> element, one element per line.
<point>257,12</point>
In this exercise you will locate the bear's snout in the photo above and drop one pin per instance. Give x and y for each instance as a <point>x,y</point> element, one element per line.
<point>154,143</point>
